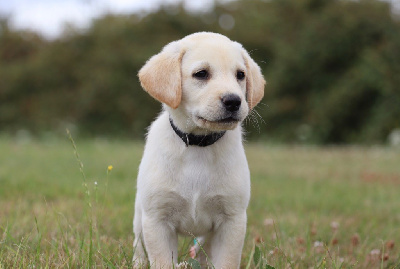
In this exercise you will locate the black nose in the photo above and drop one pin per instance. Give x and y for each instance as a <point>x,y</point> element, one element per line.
<point>231,102</point>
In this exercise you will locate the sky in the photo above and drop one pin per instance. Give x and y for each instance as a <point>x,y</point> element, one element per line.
<point>49,16</point>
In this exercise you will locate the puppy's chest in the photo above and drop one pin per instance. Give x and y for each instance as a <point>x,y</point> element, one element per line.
<point>196,213</point>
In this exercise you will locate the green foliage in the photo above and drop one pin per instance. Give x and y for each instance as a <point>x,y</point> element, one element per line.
<point>194,263</point>
<point>332,70</point>
<point>257,256</point>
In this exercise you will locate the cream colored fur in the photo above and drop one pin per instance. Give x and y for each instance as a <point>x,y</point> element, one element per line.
<point>195,191</point>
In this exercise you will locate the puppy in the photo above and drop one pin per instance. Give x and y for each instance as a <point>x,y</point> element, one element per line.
<point>194,179</point>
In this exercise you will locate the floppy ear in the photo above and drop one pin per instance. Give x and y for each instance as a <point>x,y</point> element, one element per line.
<point>161,75</point>
<point>254,81</point>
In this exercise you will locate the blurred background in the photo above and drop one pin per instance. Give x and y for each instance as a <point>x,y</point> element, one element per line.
<point>333,67</point>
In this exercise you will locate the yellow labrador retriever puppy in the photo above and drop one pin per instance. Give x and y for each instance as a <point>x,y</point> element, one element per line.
<point>193,178</point>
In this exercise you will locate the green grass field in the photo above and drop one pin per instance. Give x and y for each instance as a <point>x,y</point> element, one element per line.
<point>311,207</point>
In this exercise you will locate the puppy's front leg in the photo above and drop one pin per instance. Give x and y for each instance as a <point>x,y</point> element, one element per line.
<point>227,242</point>
<point>161,243</point>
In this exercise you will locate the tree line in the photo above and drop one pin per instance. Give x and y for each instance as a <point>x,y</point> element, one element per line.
<point>332,67</point>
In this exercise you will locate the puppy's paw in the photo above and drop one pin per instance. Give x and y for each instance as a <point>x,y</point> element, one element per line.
<point>138,263</point>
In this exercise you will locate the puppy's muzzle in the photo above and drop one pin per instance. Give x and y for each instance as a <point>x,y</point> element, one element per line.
<point>231,102</point>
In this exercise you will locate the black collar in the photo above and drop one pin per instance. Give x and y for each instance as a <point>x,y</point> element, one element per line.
<point>197,140</point>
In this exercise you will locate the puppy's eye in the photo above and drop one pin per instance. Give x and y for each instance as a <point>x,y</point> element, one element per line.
<point>203,74</point>
<point>240,75</point>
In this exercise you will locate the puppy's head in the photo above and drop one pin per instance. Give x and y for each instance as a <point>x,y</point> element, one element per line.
<point>205,79</point>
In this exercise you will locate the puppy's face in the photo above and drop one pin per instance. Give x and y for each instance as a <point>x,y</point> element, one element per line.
<point>206,79</point>
<point>214,84</point>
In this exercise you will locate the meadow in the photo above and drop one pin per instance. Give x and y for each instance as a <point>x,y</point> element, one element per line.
<point>311,207</point>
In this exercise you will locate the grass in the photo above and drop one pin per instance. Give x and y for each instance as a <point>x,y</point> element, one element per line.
<point>311,207</point>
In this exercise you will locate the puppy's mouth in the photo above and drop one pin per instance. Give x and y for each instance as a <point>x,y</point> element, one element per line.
<point>220,124</point>
<point>227,120</point>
